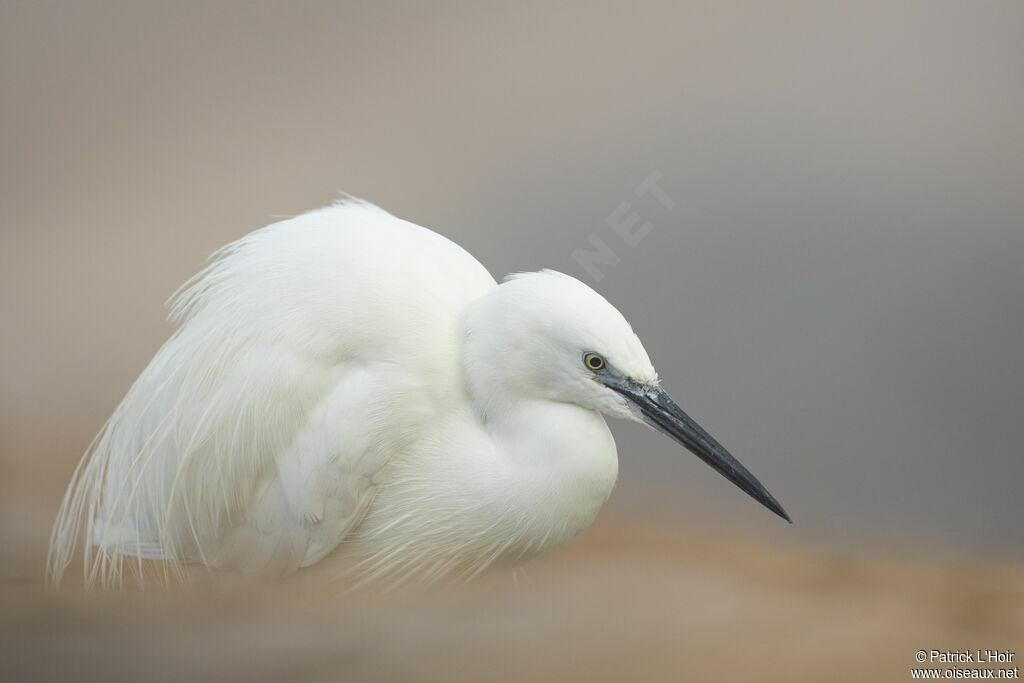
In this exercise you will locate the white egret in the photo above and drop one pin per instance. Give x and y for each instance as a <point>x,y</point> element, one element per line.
<point>349,387</point>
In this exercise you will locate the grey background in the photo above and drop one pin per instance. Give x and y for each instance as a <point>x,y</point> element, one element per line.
<point>837,294</point>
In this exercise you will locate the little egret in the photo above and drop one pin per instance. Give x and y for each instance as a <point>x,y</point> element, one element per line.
<point>351,389</point>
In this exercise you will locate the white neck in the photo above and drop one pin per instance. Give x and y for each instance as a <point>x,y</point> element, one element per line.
<point>561,465</point>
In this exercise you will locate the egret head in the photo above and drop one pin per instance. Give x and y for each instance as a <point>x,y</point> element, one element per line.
<point>548,336</point>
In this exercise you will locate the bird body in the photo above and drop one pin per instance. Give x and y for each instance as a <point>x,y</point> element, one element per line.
<point>348,388</point>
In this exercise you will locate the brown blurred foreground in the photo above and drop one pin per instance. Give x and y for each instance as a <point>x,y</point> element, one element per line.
<point>624,603</point>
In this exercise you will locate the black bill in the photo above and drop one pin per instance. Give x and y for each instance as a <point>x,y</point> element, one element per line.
<point>662,413</point>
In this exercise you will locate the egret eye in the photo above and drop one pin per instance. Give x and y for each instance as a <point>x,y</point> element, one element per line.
<point>593,361</point>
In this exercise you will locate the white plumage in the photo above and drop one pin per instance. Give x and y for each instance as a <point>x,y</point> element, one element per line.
<point>348,387</point>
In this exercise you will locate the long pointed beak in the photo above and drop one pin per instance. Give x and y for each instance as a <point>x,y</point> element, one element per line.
<point>662,413</point>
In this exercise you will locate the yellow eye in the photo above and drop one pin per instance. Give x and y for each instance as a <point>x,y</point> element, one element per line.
<point>593,361</point>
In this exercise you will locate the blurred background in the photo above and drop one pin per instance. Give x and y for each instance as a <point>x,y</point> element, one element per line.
<point>829,279</point>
